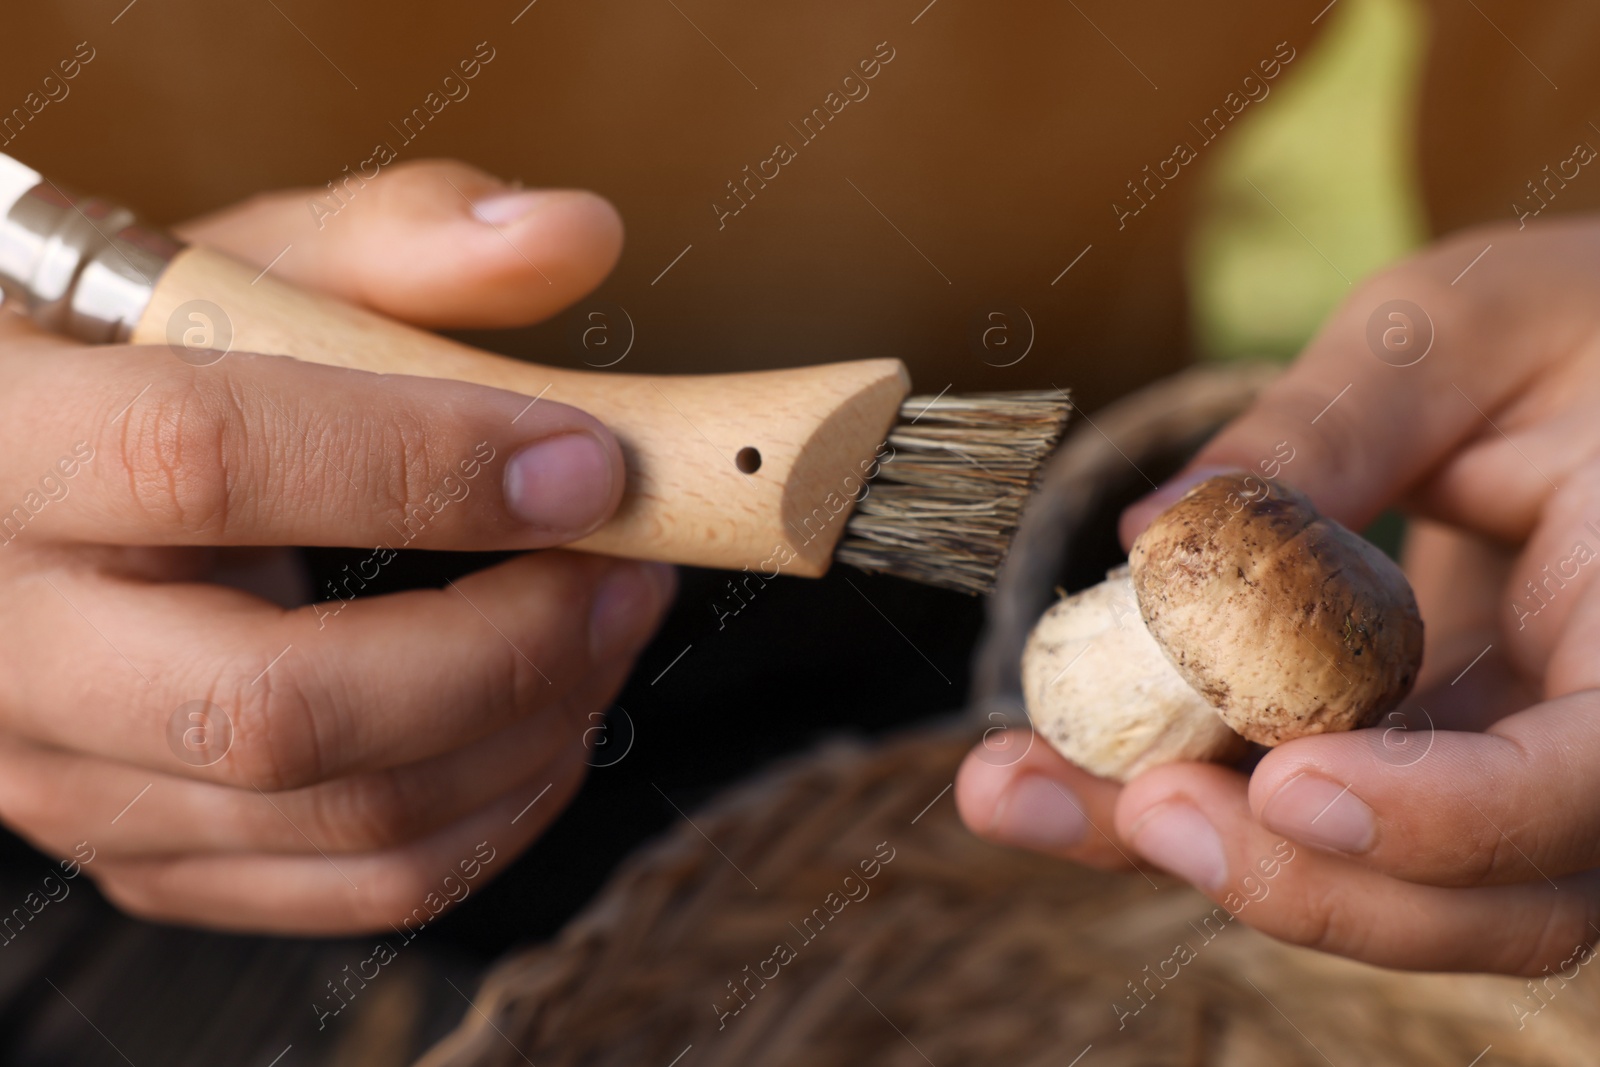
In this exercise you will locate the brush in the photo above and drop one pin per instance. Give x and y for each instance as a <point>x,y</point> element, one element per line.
<point>779,471</point>
<point>942,511</point>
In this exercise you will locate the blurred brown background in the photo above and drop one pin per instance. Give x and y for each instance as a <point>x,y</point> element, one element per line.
<point>995,141</point>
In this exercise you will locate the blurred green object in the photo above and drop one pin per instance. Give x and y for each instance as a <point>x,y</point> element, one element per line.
<point>1388,532</point>
<point>1315,190</point>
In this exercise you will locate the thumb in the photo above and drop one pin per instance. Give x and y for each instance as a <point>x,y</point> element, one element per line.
<point>1398,379</point>
<point>435,243</point>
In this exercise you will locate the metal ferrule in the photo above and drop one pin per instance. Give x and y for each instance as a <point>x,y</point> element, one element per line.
<point>78,265</point>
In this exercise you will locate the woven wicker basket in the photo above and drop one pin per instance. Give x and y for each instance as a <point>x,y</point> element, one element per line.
<point>835,912</point>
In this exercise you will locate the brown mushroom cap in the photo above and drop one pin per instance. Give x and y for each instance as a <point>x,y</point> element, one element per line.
<point>1285,621</point>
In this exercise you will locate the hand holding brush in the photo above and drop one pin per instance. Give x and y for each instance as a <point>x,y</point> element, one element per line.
<point>236,763</point>
<point>755,470</point>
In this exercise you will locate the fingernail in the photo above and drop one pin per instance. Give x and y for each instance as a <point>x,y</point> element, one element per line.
<point>502,209</point>
<point>561,484</point>
<point>627,607</point>
<point>1037,813</point>
<point>1177,838</point>
<point>1140,513</point>
<point>1317,811</point>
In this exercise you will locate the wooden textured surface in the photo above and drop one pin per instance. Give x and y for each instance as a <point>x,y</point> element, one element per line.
<point>958,953</point>
<point>816,428</point>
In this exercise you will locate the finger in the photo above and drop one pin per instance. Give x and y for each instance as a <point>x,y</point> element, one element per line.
<point>54,798</point>
<point>1354,424</point>
<point>1528,447</point>
<point>1459,580</point>
<point>15,325</point>
<point>398,891</point>
<point>1018,791</point>
<point>268,450</point>
<point>321,692</point>
<point>1430,818</point>
<point>434,242</point>
<point>1466,681</point>
<point>1551,593</point>
<point>1194,821</point>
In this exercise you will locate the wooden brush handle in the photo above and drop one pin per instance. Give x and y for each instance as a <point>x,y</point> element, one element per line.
<point>816,429</point>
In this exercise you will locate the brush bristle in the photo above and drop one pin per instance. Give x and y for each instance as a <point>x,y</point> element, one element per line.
<point>943,509</point>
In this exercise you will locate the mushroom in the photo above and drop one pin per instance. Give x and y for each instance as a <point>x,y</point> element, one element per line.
<point>1242,615</point>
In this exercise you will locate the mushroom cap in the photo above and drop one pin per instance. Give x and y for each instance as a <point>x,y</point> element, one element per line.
<point>1284,621</point>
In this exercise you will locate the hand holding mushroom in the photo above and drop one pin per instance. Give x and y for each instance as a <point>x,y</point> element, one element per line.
<point>1463,833</point>
<point>1242,615</point>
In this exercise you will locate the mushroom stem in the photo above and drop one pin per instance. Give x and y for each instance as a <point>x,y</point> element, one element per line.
<point>1102,692</point>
